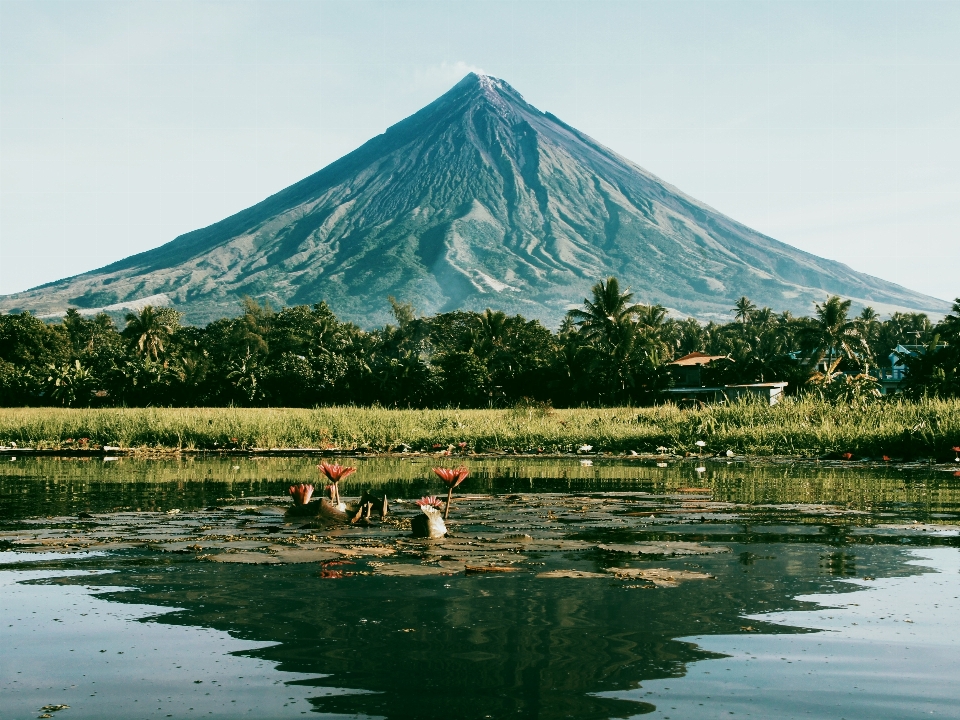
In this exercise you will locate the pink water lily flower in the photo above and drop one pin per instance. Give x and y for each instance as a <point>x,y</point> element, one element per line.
<point>301,493</point>
<point>336,473</point>
<point>430,501</point>
<point>429,524</point>
<point>452,477</point>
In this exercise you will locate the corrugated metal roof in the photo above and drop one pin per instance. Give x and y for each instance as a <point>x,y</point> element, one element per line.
<point>697,358</point>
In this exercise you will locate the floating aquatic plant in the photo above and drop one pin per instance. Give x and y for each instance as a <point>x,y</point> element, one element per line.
<point>452,477</point>
<point>336,473</point>
<point>430,501</point>
<point>301,493</point>
<point>430,524</point>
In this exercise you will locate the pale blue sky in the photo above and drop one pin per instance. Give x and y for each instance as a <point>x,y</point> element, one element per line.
<point>833,126</point>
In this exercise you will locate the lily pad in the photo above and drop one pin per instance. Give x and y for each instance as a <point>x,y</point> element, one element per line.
<point>665,548</point>
<point>358,551</point>
<point>661,577</point>
<point>409,570</point>
<point>571,574</point>
<point>305,556</point>
<point>245,558</point>
<point>478,569</point>
<point>241,544</point>
<point>556,545</point>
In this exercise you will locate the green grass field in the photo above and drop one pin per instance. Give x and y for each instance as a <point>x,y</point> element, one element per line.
<point>897,429</point>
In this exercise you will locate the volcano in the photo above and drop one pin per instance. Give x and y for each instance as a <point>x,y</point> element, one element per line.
<point>478,200</point>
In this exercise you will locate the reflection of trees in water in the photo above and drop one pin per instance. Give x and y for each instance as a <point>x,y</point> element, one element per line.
<point>473,647</point>
<point>512,646</point>
<point>839,564</point>
<point>147,483</point>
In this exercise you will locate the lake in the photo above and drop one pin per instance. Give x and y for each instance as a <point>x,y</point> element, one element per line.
<point>565,588</point>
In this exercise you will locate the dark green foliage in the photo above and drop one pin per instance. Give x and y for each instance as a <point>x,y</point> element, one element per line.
<point>610,352</point>
<point>935,369</point>
<point>70,384</point>
<point>28,347</point>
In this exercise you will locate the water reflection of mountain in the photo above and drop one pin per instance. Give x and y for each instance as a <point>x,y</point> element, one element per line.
<point>54,486</point>
<point>484,647</point>
<point>487,646</point>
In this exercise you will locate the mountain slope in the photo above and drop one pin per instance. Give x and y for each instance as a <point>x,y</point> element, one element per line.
<point>478,200</point>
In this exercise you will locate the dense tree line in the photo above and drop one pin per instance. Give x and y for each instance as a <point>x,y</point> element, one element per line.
<point>611,352</point>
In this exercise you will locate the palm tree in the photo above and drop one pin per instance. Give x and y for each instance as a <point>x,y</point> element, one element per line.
<point>656,332</point>
<point>492,333</point>
<point>743,309</point>
<point>624,337</point>
<point>834,335</point>
<point>651,317</point>
<point>151,329</point>
<point>762,317</point>
<point>868,323</point>
<point>950,325</point>
<point>605,317</point>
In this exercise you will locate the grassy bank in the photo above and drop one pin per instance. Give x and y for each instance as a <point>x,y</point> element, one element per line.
<point>796,427</point>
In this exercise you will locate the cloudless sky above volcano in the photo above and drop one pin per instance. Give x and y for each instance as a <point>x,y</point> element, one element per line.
<point>833,126</point>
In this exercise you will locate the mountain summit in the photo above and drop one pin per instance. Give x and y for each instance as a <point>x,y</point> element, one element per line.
<point>478,200</point>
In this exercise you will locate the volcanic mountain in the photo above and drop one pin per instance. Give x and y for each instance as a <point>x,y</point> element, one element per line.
<point>478,200</point>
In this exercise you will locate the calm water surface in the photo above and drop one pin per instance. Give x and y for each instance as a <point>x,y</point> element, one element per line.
<point>833,593</point>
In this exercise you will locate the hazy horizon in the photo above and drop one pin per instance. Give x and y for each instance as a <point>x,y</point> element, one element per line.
<point>827,126</point>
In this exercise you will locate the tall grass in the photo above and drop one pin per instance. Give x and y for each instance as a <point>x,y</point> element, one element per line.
<point>895,428</point>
